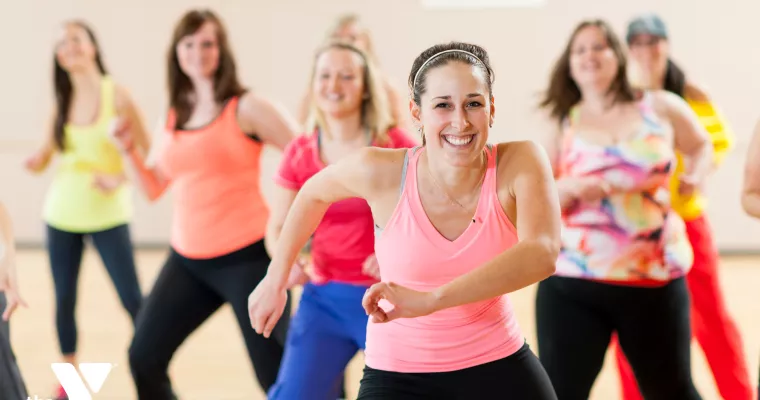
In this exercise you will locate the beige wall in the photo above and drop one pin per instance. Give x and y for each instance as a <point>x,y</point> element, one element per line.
<point>274,40</point>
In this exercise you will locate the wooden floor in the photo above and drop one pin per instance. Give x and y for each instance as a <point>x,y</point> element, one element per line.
<point>212,363</point>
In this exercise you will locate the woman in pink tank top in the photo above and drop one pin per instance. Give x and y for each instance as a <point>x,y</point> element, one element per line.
<point>448,248</point>
<point>209,154</point>
<point>349,111</point>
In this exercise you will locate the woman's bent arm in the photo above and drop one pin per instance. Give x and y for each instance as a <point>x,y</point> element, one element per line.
<point>354,176</point>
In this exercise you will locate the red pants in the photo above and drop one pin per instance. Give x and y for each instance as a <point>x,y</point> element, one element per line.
<point>711,325</point>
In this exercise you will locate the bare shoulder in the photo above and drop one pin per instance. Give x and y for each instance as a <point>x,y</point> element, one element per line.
<point>251,100</point>
<point>370,173</point>
<point>521,156</point>
<point>381,167</point>
<point>265,116</point>
<point>252,105</point>
<point>666,104</point>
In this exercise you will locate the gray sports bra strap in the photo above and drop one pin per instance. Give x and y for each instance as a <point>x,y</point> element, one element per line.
<point>379,230</point>
<point>403,172</point>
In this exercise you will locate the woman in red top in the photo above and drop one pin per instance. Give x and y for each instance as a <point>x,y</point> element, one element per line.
<point>348,111</point>
<point>210,153</point>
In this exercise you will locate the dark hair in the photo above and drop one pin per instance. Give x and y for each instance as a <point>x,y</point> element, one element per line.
<point>226,84</point>
<point>453,51</point>
<point>64,89</point>
<point>563,93</point>
<point>675,79</point>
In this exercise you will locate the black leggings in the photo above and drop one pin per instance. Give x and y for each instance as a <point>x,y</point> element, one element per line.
<point>65,252</point>
<point>12,386</point>
<point>517,377</point>
<point>186,293</point>
<point>575,319</point>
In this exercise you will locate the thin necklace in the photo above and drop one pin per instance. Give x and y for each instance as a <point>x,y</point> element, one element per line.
<point>451,199</point>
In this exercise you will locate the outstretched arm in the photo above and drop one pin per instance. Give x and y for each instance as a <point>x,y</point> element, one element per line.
<point>364,174</point>
<point>751,189</point>
<point>354,176</point>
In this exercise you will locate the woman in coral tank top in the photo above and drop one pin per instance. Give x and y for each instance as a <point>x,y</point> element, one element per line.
<point>209,154</point>
<point>460,223</point>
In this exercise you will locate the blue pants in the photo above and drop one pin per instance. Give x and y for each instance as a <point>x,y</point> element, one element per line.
<point>329,328</point>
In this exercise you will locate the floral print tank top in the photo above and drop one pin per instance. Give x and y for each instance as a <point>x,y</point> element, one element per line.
<point>632,235</point>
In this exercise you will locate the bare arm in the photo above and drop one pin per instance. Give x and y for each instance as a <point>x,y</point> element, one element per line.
<point>533,258</point>
<point>359,175</point>
<point>151,180</point>
<point>40,159</point>
<point>303,107</point>
<point>397,106</point>
<point>751,187</point>
<point>566,186</point>
<point>7,245</point>
<point>282,200</point>
<point>8,275</point>
<point>690,138</point>
<point>130,113</point>
<point>267,120</point>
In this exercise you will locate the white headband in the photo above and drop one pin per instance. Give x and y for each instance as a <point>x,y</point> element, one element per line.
<point>414,82</point>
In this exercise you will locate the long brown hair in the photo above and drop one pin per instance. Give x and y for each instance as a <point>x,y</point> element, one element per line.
<point>64,89</point>
<point>376,113</point>
<point>563,93</point>
<point>226,84</point>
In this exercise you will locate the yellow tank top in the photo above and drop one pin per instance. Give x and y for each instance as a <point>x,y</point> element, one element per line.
<point>722,138</point>
<point>73,203</point>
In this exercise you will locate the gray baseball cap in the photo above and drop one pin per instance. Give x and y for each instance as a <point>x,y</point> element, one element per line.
<point>647,24</point>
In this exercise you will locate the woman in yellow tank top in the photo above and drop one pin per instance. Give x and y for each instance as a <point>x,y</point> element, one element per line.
<point>89,195</point>
<point>712,325</point>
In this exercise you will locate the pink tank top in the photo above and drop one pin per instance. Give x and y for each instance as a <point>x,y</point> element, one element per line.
<point>412,253</point>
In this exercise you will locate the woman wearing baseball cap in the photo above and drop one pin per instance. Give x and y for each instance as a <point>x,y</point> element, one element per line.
<point>652,68</point>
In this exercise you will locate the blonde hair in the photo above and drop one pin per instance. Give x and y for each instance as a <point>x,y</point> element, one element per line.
<point>376,113</point>
<point>352,19</point>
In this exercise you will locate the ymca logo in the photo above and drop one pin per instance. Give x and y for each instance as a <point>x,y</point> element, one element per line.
<point>93,374</point>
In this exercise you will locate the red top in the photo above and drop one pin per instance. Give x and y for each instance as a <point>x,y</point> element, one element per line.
<point>345,237</point>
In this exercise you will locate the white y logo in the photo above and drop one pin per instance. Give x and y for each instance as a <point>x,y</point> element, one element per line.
<point>94,374</point>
